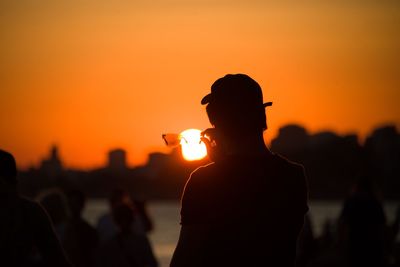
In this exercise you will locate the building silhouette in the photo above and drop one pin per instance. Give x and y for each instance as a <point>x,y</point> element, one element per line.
<point>117,160</point>
<point>52,165</point>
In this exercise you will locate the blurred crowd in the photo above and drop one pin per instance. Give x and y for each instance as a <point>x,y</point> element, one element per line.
<point>361,236</point>
<point>120,238</point>
<point>54,233</point>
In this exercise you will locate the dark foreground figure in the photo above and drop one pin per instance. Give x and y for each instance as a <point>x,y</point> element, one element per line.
<point>81,238</point>
<point>247,208</point>
<point>27,237</point>
<point>364,223</point>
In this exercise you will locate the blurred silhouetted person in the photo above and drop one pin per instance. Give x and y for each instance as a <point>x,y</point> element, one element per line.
<point>106,226</point>
<point>327,238</point>
<point>126,248</point>
<point>80,238</point>
<point>306,244</point>
<point>364,224</point>
<point>394,246</point>
<point>27,237</point>
<point>54,202</point>
<point>247,208</point>
<point>143,216</point>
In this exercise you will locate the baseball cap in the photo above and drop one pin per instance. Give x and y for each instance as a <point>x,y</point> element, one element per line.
<point>235,89</point>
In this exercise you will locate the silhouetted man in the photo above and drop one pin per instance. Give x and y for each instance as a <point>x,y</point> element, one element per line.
<point>27,237</point>
<point>247,208</point>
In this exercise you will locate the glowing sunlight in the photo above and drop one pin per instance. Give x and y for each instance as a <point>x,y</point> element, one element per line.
<point>192,147</point>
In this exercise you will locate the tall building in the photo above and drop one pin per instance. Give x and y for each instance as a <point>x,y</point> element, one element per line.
<point>117,159</point>
<point>52,165</point>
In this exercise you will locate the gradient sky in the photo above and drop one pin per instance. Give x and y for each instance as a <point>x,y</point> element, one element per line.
<point>94,75</point>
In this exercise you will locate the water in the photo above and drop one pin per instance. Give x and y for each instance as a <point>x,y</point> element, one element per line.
<point>166,218</point>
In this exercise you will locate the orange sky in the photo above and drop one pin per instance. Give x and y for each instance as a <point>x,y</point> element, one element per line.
<point>93,75</point>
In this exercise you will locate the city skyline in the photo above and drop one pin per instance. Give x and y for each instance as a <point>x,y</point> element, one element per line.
<point>333,163</point>
<point>54,153</point>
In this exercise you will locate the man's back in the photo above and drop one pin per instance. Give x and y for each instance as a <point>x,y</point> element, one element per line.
<point>253,207</point>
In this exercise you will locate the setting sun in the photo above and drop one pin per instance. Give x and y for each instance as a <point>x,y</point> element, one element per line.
<point>192,147</point>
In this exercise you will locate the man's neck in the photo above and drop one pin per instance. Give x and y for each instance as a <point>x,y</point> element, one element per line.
<point>250,145</point>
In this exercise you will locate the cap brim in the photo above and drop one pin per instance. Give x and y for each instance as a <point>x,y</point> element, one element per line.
<point>267,104</point>
<point>206,99</point>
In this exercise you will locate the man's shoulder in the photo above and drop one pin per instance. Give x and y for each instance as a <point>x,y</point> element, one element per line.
<point>279,162</point>
<point>200,176</point>
<point>287,164</point>
<point>198,195</point>
<point>293,172</point>
<point>204,170</point>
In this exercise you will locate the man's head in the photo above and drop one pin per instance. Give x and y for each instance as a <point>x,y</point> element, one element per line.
<point>235,105</point>
<point>8,168</point>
